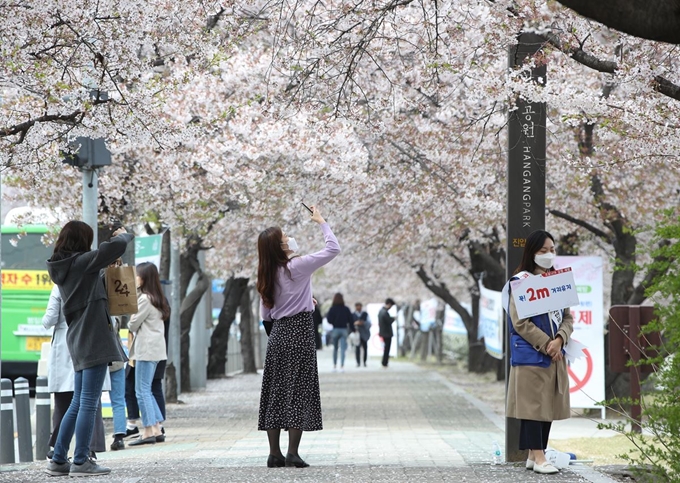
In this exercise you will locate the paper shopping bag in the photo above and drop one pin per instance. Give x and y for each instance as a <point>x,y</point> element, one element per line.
<point>121,288</point>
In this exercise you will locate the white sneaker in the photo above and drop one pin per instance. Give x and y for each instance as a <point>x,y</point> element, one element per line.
<point>335,369</point>
<point>530,464</point>
<point>342,369</point>
<point>545,469</point>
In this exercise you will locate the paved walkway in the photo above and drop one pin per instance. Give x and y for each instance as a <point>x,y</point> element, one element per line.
<point>403,424</point>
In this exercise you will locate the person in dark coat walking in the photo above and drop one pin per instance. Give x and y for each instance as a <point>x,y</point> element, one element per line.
<point>91,339</point>
<point>385,325</point>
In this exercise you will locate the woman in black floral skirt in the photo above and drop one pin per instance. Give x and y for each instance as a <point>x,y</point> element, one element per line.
<point>290,396</point>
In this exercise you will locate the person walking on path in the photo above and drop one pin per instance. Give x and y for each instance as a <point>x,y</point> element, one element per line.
<point>131,428</point>
<point>363,326</point>
<point>60,376</point>
<point>148,349</point>
<point>340,317</point>
<point>385,325</point>
<point>117,395</point>
<point>290,397</point>
<point>538,389</point>
<point>92,343</point>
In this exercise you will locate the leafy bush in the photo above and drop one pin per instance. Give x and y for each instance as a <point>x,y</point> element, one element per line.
<point>658,446</point>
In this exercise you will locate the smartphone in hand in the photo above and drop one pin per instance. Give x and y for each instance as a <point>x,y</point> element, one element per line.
<point>308,208</point>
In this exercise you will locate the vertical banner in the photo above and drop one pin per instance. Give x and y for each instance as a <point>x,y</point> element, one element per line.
<point>526,184</point>
<point>148,249</point>
<point>491,321</point>
<point>586,374</point>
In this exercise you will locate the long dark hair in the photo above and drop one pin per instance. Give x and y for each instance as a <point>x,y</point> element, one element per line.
<point>338,299</point>
<point>75,237</point>
<point>534,243</point>
<point>151,286</point>
<point>271,258</point>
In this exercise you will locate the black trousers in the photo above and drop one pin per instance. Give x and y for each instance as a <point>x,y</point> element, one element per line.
<point>533,434</point>
<point>386,351</point>
<point>62,400</point>
<point>156,390</point>
<point>364,344</point>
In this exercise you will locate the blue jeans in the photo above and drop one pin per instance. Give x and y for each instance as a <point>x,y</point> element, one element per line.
<point>79,417</point>
<point>151,413</point>
<point>339,335</point>
<point>117,395</point>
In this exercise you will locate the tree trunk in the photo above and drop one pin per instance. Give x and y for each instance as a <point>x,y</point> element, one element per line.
<point>246,326</point>
<point>188,266</point>
<point>659,20</point>
<point>164,269</point>
<point>186,315</point>
<point>219,340</point>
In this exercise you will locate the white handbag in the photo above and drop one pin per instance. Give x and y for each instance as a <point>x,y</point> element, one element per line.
<point>354,338</point>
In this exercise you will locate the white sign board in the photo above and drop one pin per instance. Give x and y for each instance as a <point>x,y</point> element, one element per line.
<point>586,375</point>
<point>540,294</point>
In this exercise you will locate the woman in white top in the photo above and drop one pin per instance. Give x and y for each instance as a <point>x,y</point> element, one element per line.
<point>148,348</point>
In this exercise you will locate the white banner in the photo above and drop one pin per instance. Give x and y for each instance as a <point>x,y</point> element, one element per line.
<point>453,323</point>
<point>491,321</point>
<point>543,293</point>
<point>586,374</point>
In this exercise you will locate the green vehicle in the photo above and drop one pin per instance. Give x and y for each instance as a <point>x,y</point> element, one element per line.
<point>26,290</point>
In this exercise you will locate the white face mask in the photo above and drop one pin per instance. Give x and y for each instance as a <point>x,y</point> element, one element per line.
<point>544,260</point>
<point>292,244</point>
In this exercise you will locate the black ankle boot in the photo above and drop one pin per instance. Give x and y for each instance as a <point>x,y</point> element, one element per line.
<point>275,462</point>
<point>296,461</point>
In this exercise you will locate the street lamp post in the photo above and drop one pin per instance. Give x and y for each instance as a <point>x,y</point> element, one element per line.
<point>89,155</point>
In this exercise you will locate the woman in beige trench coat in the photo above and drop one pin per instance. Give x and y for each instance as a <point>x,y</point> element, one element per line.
<point>538,389</point>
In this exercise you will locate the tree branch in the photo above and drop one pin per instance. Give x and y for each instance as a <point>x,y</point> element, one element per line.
<point>593,229</point>
<point>72,119</point>
<point>660,83</point>
<point>658,20</point>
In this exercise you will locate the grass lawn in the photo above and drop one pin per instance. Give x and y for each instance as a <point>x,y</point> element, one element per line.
<point>603,451</point>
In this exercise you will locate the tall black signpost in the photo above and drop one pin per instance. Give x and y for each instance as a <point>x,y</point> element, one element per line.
<point>526,189</point>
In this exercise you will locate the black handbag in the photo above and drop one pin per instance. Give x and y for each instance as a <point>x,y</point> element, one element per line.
<point>268,325</point>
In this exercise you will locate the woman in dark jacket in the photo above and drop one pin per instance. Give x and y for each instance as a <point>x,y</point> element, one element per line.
<point>91,338</point>
<point>340,317</point>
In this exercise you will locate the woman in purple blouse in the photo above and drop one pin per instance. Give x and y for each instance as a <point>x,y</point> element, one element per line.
<point>290,397</point>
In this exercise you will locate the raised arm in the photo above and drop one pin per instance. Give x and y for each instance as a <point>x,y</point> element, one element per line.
<point>108,252</point>
<point>307,264</point>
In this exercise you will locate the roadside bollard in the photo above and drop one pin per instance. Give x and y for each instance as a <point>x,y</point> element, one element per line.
<point>42,418</point>
<point>23,405</point>
<point>6,422</point>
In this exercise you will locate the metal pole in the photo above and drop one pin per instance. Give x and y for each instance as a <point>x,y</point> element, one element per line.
<point>174,349</point>
<point>634,351</point>
<point>24,432</point>
<point>90,195</point>
<point>43,423</point>
<point>6,422</point>
<point>526,189</point>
